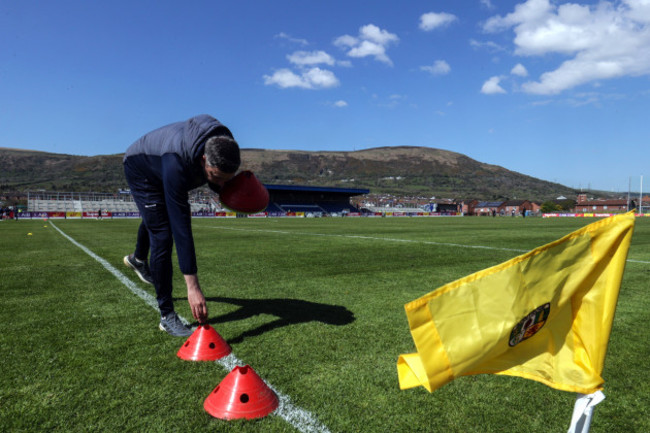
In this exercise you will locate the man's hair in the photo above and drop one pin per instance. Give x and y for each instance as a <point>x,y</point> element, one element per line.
<point>222,152</point>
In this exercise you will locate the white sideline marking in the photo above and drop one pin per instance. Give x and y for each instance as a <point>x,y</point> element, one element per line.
<point>373,238</point>
<point>299,418</point>
<point>447,244</point>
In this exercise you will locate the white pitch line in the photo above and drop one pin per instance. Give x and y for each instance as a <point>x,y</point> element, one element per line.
<point>447,244</point>
<point>373,238</point>
<point>301,419</point>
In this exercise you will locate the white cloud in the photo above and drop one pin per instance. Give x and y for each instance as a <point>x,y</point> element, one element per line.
<point>308,75</point>
<point>283,35</point>
<point>640,9</point>
<point>340,104</point>
<point>490,45</point>
<point>372,41</point>
<point>302,58</point>
<point>373,33</point>
<point>491,86</point>
<point>531,11</point>
<point>439,67</point>
<point>603,41</point>
<point>346,41</point>
<point>519,70</point>
<point>367,48</point>
<point>433,20</point>
<point>321,78</point>
<point>314,78</point>
<point>284,78</point>
<point>487,4</point>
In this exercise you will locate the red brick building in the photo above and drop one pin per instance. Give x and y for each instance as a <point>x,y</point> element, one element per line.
<point>516,207</point>
<point>600,205</point>
<point>486,208</point>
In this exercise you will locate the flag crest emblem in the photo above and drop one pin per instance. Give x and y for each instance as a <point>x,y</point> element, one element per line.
<point>529,325</point>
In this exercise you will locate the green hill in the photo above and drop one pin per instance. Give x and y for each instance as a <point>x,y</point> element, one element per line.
<point>396,170</point>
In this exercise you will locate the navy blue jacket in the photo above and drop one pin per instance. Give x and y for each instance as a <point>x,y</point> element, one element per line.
<point>170,159</point>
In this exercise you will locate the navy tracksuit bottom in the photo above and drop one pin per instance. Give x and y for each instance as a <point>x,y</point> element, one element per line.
<point>154,236</point>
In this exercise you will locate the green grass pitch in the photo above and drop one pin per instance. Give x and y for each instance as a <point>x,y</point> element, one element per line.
<point>315,306</point>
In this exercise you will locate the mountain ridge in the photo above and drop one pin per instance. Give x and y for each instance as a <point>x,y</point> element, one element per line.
<point>398,170</point>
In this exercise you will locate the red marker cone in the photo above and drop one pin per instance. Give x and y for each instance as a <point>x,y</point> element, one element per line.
<point>205,344</point>
<point>241,394</point>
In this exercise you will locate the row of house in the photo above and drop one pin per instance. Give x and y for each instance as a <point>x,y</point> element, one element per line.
<point>526,207</point>
<point>582,204</point>
<point>493,208</point>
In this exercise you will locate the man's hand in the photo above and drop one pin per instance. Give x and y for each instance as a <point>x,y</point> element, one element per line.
<point>196,299</point>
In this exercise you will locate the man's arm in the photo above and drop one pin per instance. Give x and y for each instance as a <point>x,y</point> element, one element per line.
<point>175,185</point>
<point>178,209</point>
<point>196,299</point>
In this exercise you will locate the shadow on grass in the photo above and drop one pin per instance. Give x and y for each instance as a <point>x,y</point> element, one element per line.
<point>287,311</point>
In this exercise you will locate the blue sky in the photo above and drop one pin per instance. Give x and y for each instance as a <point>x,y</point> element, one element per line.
<point>553,89</point>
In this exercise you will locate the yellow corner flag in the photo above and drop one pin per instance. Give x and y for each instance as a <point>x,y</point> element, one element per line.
<point>545,315</point>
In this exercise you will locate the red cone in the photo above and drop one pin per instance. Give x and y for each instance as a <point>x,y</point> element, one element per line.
<point>241,394</point>
<point>244,193</point>
<point>205,344</point>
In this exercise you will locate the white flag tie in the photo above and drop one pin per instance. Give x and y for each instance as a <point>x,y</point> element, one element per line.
<point>583,410</point>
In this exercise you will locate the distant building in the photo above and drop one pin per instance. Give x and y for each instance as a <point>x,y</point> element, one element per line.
<point>536,207</point>
<point>583,205</point>
<point>311,199</point>
<point>486,208</point>
<point>444,206</point>
<point>468,207</point>
<point>517,207</point>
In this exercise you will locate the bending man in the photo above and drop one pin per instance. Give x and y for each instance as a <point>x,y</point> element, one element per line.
<point>161,168</point>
